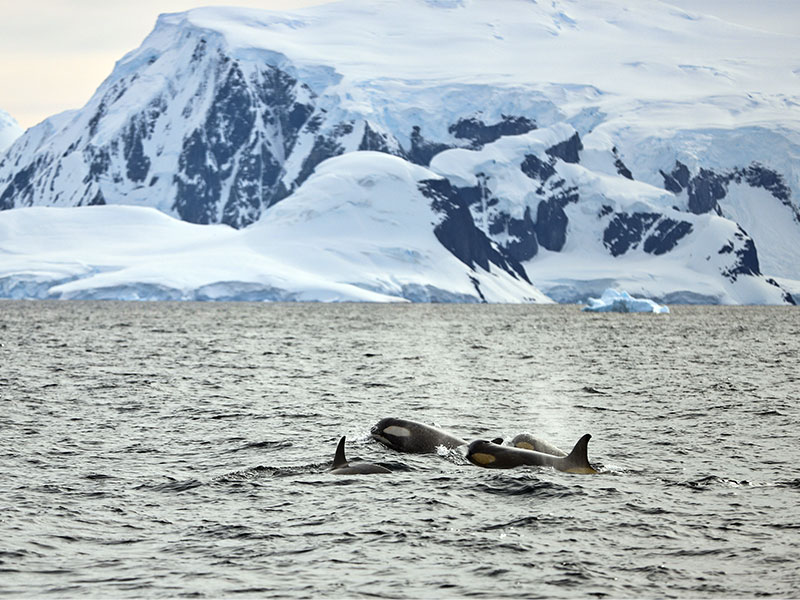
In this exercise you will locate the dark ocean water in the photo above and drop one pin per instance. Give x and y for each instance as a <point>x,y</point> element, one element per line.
<point>180,450</point>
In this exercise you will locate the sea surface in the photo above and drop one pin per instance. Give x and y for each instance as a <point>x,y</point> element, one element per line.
<point>152,450</point>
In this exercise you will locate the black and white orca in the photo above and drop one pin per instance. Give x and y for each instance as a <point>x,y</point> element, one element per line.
<point>341,466</point>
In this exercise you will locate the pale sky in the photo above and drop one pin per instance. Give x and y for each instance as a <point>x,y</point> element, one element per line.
<point>55,53</point>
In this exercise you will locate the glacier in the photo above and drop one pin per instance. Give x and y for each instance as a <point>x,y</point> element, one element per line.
<point>554,150</point>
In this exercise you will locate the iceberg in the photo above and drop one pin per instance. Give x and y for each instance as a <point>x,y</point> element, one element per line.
<point>619,301</point>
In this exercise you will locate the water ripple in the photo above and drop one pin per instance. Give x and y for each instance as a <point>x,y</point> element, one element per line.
<point>183,450</point>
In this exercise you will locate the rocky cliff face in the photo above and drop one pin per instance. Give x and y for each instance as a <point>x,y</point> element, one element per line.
<point>208,144</point>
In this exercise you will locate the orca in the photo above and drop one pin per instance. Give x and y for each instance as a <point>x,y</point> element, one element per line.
<point>414,437</point>
<point>341,466</point>
<point>530,442</point>
<point>494,456</point>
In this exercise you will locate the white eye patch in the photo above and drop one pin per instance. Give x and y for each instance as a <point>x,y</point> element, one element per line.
<point>397,431</point>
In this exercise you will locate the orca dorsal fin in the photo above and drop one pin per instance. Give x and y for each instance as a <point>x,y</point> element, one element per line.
<point>339,460</point>
<point>498,441</point>
<point>578,459</point>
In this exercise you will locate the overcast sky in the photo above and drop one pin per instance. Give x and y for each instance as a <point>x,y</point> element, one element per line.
<point>55,53</point>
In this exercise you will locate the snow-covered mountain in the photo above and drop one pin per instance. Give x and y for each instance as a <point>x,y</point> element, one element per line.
<point>358,230</point>
<point>9,130</point>
<point>573,145</point>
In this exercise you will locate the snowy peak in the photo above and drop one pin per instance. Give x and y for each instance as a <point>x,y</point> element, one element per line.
<point>9,130</point>
<point>202,134</point>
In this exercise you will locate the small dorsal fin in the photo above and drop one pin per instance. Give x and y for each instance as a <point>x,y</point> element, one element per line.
<point>339,460</point>
<point>498,441</point>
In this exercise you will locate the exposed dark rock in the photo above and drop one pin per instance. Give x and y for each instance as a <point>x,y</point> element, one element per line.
<point>137,162</point>
<point>206,159</point>
<point>198,183</point>
<point>537,169</point>
<point>372,140</point>
<point>152,113</point>
<point>670,183</point>
<point>20,191</point>
<point>563,195</point>
<point>551,219</point>
<point>705,190</point>
<point>72,147</point>
<point>99,163</point>
<point>422,151</point>
<point>277,91</point>
<point>622,169</point>
<point>620,166</point>
<point>314,123</point>
<point>678,179</point>
<point>294,121</point>
<point>625,231</point>
<point>666,236</point>
<point>199,50</point>
<point>257,175</point>
<point>551,225</point>
<point>477,285</point>
<point>457,231</point>
<point>95,120</point>
<point>746,257</point>
<point>681,173</point>
<point>469,196</point>
<point>521,233</point>
<point>230,148</point>
<point>568,150</point>
<point>757,175</point>
<point>787,297</point>
<point>59,168</point>
<point>98,199</point>
<point>708,187</point>
<point>230,120</point>
<point>479,133</point>
<point>323,149</point>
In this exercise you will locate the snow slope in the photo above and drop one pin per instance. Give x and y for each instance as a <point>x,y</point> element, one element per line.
<point>9,130</point>
<point>592,143</point>
<point>358,231</point>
